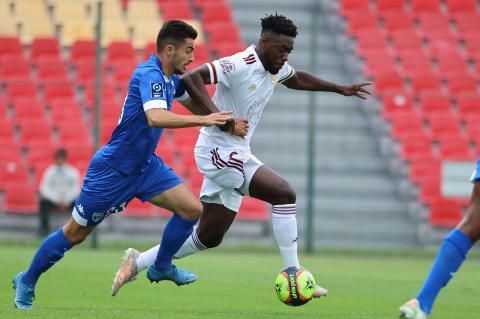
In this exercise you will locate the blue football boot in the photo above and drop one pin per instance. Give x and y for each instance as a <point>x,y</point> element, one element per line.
<point>24,294</point>
<point>178,276</point>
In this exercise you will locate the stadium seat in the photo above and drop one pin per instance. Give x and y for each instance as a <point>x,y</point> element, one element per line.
<point>40,152</point>
<point>350,5</point>
<point>176,11</point>
<point>58,90</point>
<point>15,71</point>
<point>361,19</point>
<point>142,10</point>
<point>21,89</point>
<point>48,72</point>
<point>425,5</point>
<point>28,108</point>
<point>415,148</point>
<point>455,6</point>
<point>423,169</point>
<point>10,154</point>
<point>82,50</point>
<point>432,21</point>
<point>76,30</point>
<point>406,122</point>
<point>11,46</point>
<point>425,82</point>
<point>468,103</point>
<point>466,21</point>
<point>44,47</point>
<point>79,151</point>
<point>13,172</point>
<point>216,14</point>
<point>69,132</point>
<point>429,189</point>
<point>21,198</point>
<point>394,5</point>
<point>144,32</point>
<point>41,26</point>
<point>396,101</point>
<point>118,50</point>
<point>455,148</point>
<point>34,130</point>
<point>388,81</point>
<point>397,20</point>
<point>226,49</point>
<point>8,23</point>
<point>432,102</point>
<point>403,39</point>
<point>114,31</point>
<point>445,213</point>
<point>462,84</point>
<point>443,125</point>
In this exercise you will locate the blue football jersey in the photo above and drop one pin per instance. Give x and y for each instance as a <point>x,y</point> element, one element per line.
<point>133,141</point>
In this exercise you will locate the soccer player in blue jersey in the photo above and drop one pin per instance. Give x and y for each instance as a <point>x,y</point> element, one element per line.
<point>450,256</point>
<point>126,167</point>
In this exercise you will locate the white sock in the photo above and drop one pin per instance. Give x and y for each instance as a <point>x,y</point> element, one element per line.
<point>147,258</point>
<point>285,230</point>
<point>190,246</point>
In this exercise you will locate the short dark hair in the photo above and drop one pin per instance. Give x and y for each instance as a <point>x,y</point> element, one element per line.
<point>61,153</point>
<point>174,32</point>
<point>279,24</point>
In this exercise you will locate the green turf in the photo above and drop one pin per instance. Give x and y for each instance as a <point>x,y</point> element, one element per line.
<point>233,285</point>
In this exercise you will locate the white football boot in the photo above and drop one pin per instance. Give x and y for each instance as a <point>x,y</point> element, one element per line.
<point>411,310</point>
<point>127,271</point>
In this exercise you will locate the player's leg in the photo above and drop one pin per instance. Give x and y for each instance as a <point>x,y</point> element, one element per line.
<point>270,187</point>
<point>450,256</point>
<point>162,187</point>
<point>49,252</point>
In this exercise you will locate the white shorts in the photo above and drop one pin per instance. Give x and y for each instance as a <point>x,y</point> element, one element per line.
<point>226,174</point>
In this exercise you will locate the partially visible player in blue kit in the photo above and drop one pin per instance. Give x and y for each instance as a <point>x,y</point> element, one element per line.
<point>127,167</point>
<point>450,257</point>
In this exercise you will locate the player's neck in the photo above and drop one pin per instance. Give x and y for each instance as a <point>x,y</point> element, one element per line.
<point>167,68</point>
<point>260,55</point>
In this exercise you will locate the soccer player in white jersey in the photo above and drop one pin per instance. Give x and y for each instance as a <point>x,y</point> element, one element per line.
<point>245,83</point>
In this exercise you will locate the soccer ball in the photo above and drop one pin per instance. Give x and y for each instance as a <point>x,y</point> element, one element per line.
<point>295,286</point>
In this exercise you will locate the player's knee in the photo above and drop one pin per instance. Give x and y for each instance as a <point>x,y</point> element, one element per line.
<point>284,194</point>
<point>210,239</point>
<point>193,211</point>
<point>76,237</point>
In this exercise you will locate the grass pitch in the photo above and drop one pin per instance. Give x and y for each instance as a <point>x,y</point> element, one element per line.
<point>233,285</point>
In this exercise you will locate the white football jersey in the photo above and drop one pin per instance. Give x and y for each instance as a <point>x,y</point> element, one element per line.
<point>243,87</point>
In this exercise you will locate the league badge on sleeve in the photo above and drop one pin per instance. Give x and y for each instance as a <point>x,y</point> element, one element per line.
<point>157,90</point>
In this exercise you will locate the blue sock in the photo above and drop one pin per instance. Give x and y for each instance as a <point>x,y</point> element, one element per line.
<point>176,232</point>
<point>50,251</point>
<point>449,258</point>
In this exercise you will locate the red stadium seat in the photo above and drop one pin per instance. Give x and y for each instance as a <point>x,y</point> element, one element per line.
<point>52,72</point>
<point>82,50</point>
<point>455,6</point>
<point>403,39</point>
<point>10,154</point>
<point>406,122</point>
<point>424,169</point>
<point>396,101</point>
<point>443,125</point>
<point>176,11</point>
<point>361,19</point>
<point>434,102</point>
<point>215,14</point>
<point>425,82</point>
<point>227,49</point>
<point>58,90</point>
<point>6,129</point>
<point>21,89</point>
<point>44,47</point>
<point>462,84</point>
<point>108,94</point>
<point>396,20</point>
<point>79,152</point>
<point>455,149</point>
<point>432,21</point>
<point>388,81</point>
<point>467,21</point>
<point>13,172</point>
<point>349,5</point>
<point>445,213</point>
<point>69,132</point>
<point>118,50</point>
<point>472,128</point>
<point>21,198</point>
<point>425,5</point>
<point>15,71</point>
<point>10,46</point>
<point>34,130</point>
<point>394,5</point>
<point>28,108</point>
<point>220,33</point>
<point>429,190</point>
<point>151,48</point>
<point>64,109</point>
<point>468,103</point>
<point>414,148</point>
<point>40,152</point>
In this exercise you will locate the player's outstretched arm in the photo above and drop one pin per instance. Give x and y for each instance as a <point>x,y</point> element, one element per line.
<point>309,82</point>
<point>163,118</point>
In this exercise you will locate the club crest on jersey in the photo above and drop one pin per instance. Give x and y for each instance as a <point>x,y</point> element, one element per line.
<point>157,89</point>
<point>226,66</point>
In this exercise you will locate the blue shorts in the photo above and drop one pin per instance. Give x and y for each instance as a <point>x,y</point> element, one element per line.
<point>106,191</point>
<point>476,172</point>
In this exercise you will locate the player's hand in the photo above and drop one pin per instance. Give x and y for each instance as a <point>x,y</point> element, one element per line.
<point>241,127</point>
<point>356,89</point>
<point>220,118</point>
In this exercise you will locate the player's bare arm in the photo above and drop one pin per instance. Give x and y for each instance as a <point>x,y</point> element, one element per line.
<point>201,103</point>
<point>163,118</point>
<point>308,82</point>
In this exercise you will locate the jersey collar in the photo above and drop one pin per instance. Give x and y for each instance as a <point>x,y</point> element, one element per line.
<point>154,57</point>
